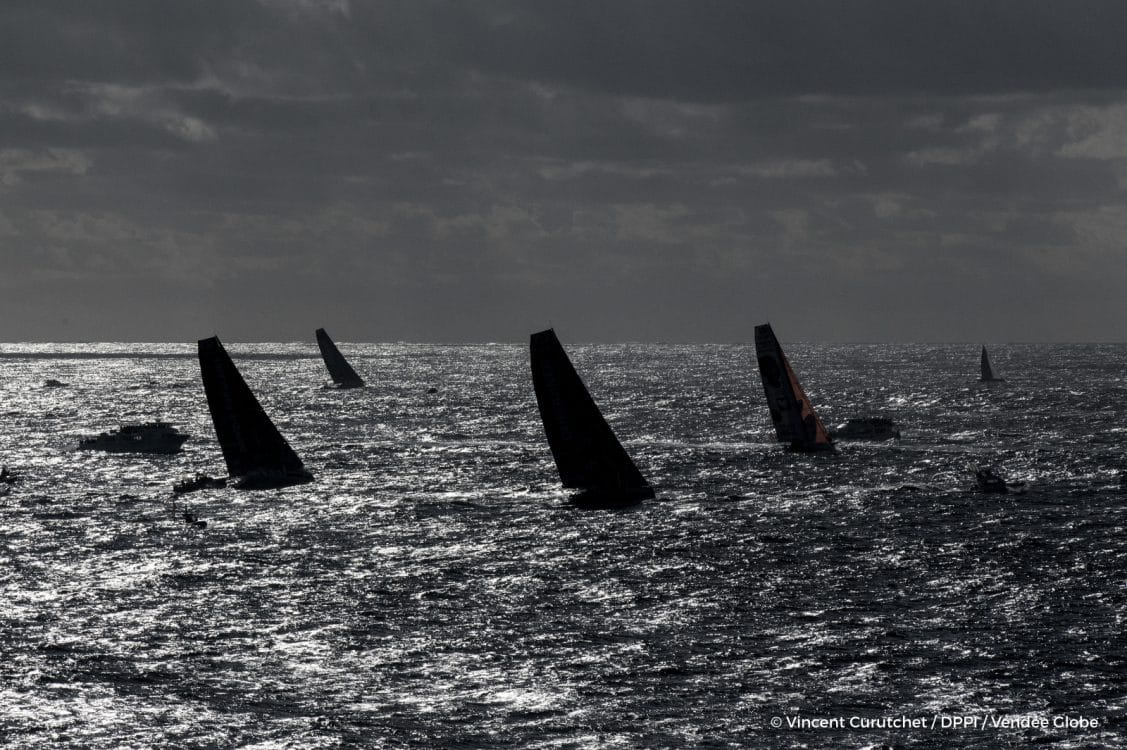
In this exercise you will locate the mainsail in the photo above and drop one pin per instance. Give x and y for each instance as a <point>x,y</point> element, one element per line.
<point>587,453</point>
<point>341,372</point>
<point>252,446</point>
<point>795,420</point>
<point>988,372</point>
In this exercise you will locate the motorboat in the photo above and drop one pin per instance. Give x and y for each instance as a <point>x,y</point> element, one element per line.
<point>150,437</point>
<point>199,482</point>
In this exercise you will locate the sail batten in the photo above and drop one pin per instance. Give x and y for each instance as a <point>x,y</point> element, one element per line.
<point>339,369</point>
<point>587,453</point>
<point>252,446</point>
<point>792,414</point>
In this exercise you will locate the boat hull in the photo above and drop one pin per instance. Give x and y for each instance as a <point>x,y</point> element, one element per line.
<point>875,429</point>
<point>609,499</point>
<point>345,386</point>
<point>165,446</point>
<point>797,447</point>
<point>271,480</point>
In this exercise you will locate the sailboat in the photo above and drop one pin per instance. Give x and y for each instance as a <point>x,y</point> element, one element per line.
<point>987,372</point>
<point>587,453</point>
<point>256,453</point>
<point>342,373</point>
<point>795,420</point>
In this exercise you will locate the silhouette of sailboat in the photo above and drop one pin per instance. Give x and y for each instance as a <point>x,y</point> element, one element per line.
<point>794,418</point>
<point>342,373</point>
<point>256,453</point>
<point>988,372</point>
<point>587,453</point>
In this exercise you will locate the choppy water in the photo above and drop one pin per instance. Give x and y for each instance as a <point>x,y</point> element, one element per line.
<point>433,588</point>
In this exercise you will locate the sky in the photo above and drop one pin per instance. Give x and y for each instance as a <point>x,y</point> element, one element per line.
<point>622,170</point>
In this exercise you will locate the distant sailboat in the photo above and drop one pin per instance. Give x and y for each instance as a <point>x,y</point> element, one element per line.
<point>256,453</point>
<point>987,372</point>
<point>587,453</point>
<point>795,420</point>
<point>342,373</point>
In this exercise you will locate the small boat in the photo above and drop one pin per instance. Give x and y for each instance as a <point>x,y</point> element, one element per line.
<point>151,437</point>
<point>795,420</point>
<point>988,375</point>
<point>8,477</point>
<point>866,428</point>
<point>256,453</point>
<point>990,480</point>
<point>52,383</point>
<point>342,373</point>
<point>191,519</point>
<point>199,482</point>
<point>588,455</point>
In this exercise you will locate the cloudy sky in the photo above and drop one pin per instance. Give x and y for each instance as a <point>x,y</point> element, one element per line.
<point>621,169</point>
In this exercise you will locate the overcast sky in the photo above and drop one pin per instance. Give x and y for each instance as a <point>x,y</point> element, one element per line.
<point>931,170</point>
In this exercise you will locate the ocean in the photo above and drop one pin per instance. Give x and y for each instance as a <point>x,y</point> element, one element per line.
<point>433,588</point>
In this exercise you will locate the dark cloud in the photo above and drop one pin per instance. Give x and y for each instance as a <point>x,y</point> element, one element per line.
<point>724,51</point>
<point>625,170</point>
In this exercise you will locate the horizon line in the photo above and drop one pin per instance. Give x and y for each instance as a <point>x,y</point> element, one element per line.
<point>750,341</point>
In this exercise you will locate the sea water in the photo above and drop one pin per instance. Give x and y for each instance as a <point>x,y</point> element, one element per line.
<point>434,587</point>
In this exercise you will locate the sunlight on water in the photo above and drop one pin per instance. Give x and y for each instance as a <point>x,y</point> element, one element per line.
<point>434,588</point>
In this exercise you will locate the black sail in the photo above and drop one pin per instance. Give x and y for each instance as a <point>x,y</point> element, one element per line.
<point>341,372</point>
<point>587,453</point>
<point>252,446</point>
<point>792,414</point>
<point>987,372</point>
